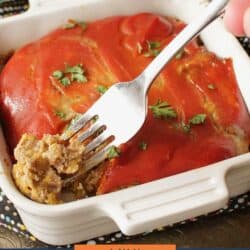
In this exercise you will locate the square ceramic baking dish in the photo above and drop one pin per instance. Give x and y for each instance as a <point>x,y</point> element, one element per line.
<point>144,207</point>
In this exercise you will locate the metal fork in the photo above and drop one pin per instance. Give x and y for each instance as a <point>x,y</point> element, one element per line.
<point>122,110</point>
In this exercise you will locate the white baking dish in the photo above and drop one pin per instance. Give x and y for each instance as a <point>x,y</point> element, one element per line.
<point>137,209</point>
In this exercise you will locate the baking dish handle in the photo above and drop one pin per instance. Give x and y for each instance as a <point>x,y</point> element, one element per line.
<point>168,201</point>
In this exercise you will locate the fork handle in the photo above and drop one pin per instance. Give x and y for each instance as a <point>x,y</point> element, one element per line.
<point>212,12</point>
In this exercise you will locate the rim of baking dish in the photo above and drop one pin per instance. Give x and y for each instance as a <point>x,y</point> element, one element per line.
<point>35,208</point>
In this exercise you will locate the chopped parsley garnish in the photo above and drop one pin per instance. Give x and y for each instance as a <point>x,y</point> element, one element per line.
<point>179,54</point>
<point>186,127</point>
<point>69,25</point>
<point>163,110</point>
<point>77,73</point>
<point>143,146</point>
<point>72,24</point>
<point>70,74</point>
<point>80,78</point>
<point>153,49</point>
<point>113,152</point>
<point>60,114</point>
<point>77,69</point>
<point>195,120</point>
<point>58,74</point>
<point>211,86</point>
<point>65,81</point>
<point>101,89</point>
<point>198,119</point>
<point>153,45</point>
<point>152,53</point>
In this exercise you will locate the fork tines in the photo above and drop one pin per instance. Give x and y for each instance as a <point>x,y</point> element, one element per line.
<point>93,134</point>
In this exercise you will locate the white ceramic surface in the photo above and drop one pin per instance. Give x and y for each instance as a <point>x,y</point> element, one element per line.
<point>144,207</point>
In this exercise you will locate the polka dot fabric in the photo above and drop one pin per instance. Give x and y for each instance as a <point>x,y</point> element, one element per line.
<point>8,214</point>
<point>10,7</point>
<point>10,219</point>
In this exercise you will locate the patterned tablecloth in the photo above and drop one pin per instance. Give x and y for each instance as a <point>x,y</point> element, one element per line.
<point>8,215</point>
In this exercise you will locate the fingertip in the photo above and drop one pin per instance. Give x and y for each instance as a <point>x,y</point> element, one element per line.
<point>234,16</point>
<point>247,22</point>
<point>233,20</point>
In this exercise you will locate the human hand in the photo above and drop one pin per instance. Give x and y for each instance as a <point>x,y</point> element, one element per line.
<point>237,17</point>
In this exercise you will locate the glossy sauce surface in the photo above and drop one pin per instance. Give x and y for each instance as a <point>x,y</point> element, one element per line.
<point>113,50</point>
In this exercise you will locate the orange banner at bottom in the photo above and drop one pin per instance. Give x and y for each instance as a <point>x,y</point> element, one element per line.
<point>125,247</point>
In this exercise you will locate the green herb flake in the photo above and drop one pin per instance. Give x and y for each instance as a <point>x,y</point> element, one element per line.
<point>65,81</point>
<point>69,25</point>
<point>58,74</point>
<point>180,54</point>
<point>79,78</point>
<point>163,110</point>
<point>198,119</point>
<point>153,49</point>
<point>153,45</point>
<point>70,74</point>
<point>60,114</point>
<point>74,69</point>
<point>113,152</point>
<point>211,86</point>
<point>143,146</point>
<point>72,24</point>
<point>195,120</point>
<point>155,52</point>
<point>152,53</point>
<point>186,127</point>
<point>101,89</point>
<point>77,73</point>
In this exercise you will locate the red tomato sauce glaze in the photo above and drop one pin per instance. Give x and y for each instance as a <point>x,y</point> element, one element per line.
<point>196,85</point>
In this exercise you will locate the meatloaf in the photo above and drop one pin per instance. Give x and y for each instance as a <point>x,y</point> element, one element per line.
<point>196,113</point>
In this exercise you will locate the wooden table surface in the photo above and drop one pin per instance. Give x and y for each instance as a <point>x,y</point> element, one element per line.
<point>228,230</point>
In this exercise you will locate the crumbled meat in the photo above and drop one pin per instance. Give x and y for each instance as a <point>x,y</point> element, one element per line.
<point>92,180</point>
<point>78,190</point>
<point>42,163</point>
<point>65,159</point>
<point>44,188</point>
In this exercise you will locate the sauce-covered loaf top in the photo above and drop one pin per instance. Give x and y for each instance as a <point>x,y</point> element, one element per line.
<point>196,114</point>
